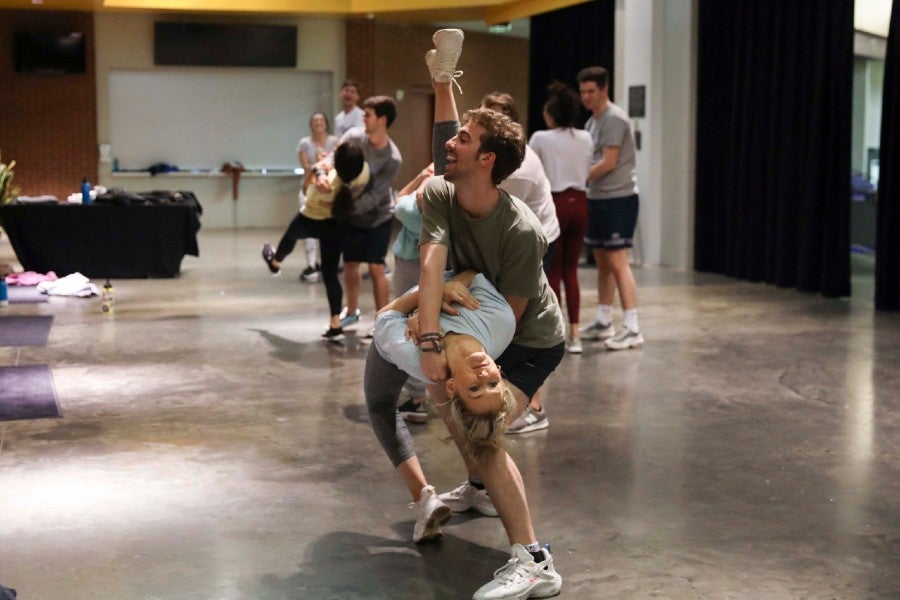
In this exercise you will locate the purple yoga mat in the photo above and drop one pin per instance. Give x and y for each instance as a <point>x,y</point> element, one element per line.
<point>25,330</point>
<point>26,294</point>
<point>27,393</point>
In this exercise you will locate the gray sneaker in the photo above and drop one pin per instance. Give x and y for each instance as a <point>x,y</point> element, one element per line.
<point>598,331</point>
<point>530,420</point>
<point>624,340</point>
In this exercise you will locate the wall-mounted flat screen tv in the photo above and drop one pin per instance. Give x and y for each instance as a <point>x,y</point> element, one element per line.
<point>49,53</point>
<point>224,45</point>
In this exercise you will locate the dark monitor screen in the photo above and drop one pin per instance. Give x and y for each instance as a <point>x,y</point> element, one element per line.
<point>49,53</point>
<point>224,45</point>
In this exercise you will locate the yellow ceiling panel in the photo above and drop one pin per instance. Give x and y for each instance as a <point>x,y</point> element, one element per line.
<point>493,11</point>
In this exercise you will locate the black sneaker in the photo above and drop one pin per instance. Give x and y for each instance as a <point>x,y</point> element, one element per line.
<point>413,412</point>
<point>268,254</point>
<point>309,275</point>
<point>334,334</point>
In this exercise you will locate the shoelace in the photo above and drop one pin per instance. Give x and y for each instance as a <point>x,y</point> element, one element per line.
<point>445,66</point>
<point>512,571</point>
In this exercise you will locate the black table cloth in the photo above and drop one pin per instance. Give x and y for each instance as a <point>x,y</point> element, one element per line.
<point>102,240</point>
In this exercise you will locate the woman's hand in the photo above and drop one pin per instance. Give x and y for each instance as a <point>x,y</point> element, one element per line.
<point>456,292</point>
<point>412,328</point>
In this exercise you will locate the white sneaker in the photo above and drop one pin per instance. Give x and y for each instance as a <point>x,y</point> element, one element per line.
<point>442,60</point>
<point>431,513</point>
<point>521,578</point>
<point>625,339</point>
<point>574,345</point>
<point>597,331</point>
<point>530,420</point>
<point>466,497</point>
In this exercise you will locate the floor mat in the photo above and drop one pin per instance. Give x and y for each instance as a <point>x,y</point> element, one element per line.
<point>25,330</point>
<point>26,294</point>
<point>27,393</point>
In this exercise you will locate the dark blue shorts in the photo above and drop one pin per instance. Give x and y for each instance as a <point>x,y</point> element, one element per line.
<point>528,368</point>
<point>611,222</point>
<point>368,245</point>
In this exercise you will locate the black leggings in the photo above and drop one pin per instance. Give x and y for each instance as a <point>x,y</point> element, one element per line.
<point>330,234</point>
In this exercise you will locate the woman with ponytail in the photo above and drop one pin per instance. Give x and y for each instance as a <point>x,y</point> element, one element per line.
<point>566,153</point>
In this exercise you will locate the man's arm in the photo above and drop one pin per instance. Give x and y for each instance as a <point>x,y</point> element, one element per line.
<point>379,187</point>
<point>433,259</point>
<point>518,305</point>
<point>605,164</point>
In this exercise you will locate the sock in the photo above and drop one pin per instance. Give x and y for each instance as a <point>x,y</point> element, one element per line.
<point>476,482</point>
<point>604,314</point>
<point>631,321</point>
<point>535,551</point>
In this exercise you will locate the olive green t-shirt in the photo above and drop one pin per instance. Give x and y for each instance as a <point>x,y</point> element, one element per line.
<point>507,246</point>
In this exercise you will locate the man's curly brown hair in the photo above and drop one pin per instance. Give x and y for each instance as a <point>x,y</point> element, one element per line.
<point>504,137</point>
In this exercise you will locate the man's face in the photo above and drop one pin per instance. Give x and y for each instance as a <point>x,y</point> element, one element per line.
<point>591,95</point>
<point>372,122</point>
<point>349,96</point>
<point>464,154</point>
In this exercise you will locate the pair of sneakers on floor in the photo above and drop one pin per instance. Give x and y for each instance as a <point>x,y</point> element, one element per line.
<point>606,333</point>
<point>523,576</point>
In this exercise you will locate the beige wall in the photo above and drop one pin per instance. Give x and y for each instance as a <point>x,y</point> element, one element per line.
<point>386,58</point>
<point>125,41</point>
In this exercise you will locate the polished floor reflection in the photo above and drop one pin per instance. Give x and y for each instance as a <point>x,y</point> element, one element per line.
<point>213,448</point>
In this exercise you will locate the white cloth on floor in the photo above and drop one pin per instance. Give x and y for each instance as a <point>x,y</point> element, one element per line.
<point>75,284</point>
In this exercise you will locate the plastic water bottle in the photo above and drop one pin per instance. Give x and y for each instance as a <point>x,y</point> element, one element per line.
<point>85,191</point>
<point>4,292</point>
<point>109,298</point>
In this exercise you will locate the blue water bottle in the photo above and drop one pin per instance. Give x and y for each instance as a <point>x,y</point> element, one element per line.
<point>4,291</point>
<point>85,191</point>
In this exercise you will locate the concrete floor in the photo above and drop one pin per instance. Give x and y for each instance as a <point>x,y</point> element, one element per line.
<point>213,448</point>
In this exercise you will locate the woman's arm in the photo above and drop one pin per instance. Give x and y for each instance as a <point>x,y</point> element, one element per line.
<point>456,290</point>
<point>416,182</point>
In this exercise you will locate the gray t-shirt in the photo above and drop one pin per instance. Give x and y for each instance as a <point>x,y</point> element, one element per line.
<point>309,147</point>
<point>507,247</point>
<point>492,324</point>
<point>613,128</point>
<point>374,206</point>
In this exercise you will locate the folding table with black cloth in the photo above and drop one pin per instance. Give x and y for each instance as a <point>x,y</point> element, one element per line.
<point>121,235</point>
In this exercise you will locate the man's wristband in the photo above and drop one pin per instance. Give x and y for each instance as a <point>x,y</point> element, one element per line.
<point>434,339</point>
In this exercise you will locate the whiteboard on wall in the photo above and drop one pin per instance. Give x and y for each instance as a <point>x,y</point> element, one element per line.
<point>200,118</point>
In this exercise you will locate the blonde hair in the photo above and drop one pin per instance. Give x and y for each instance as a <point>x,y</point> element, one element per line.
<point>482,435</point>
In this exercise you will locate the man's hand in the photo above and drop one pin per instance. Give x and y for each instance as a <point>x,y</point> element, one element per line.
<point>456,292</point>
<point>433,366</point>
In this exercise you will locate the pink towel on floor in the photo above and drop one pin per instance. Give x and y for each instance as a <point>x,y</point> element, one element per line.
<point>29,278</point>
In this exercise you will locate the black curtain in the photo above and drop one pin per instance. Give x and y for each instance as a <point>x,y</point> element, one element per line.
<point>773,142</point>
<point>563,42</point>
<point>887,241</point>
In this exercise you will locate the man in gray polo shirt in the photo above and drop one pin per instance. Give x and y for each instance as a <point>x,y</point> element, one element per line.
<point>612,211</point>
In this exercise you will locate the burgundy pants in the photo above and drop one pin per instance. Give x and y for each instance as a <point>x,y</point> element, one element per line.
<point>571,210</point>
